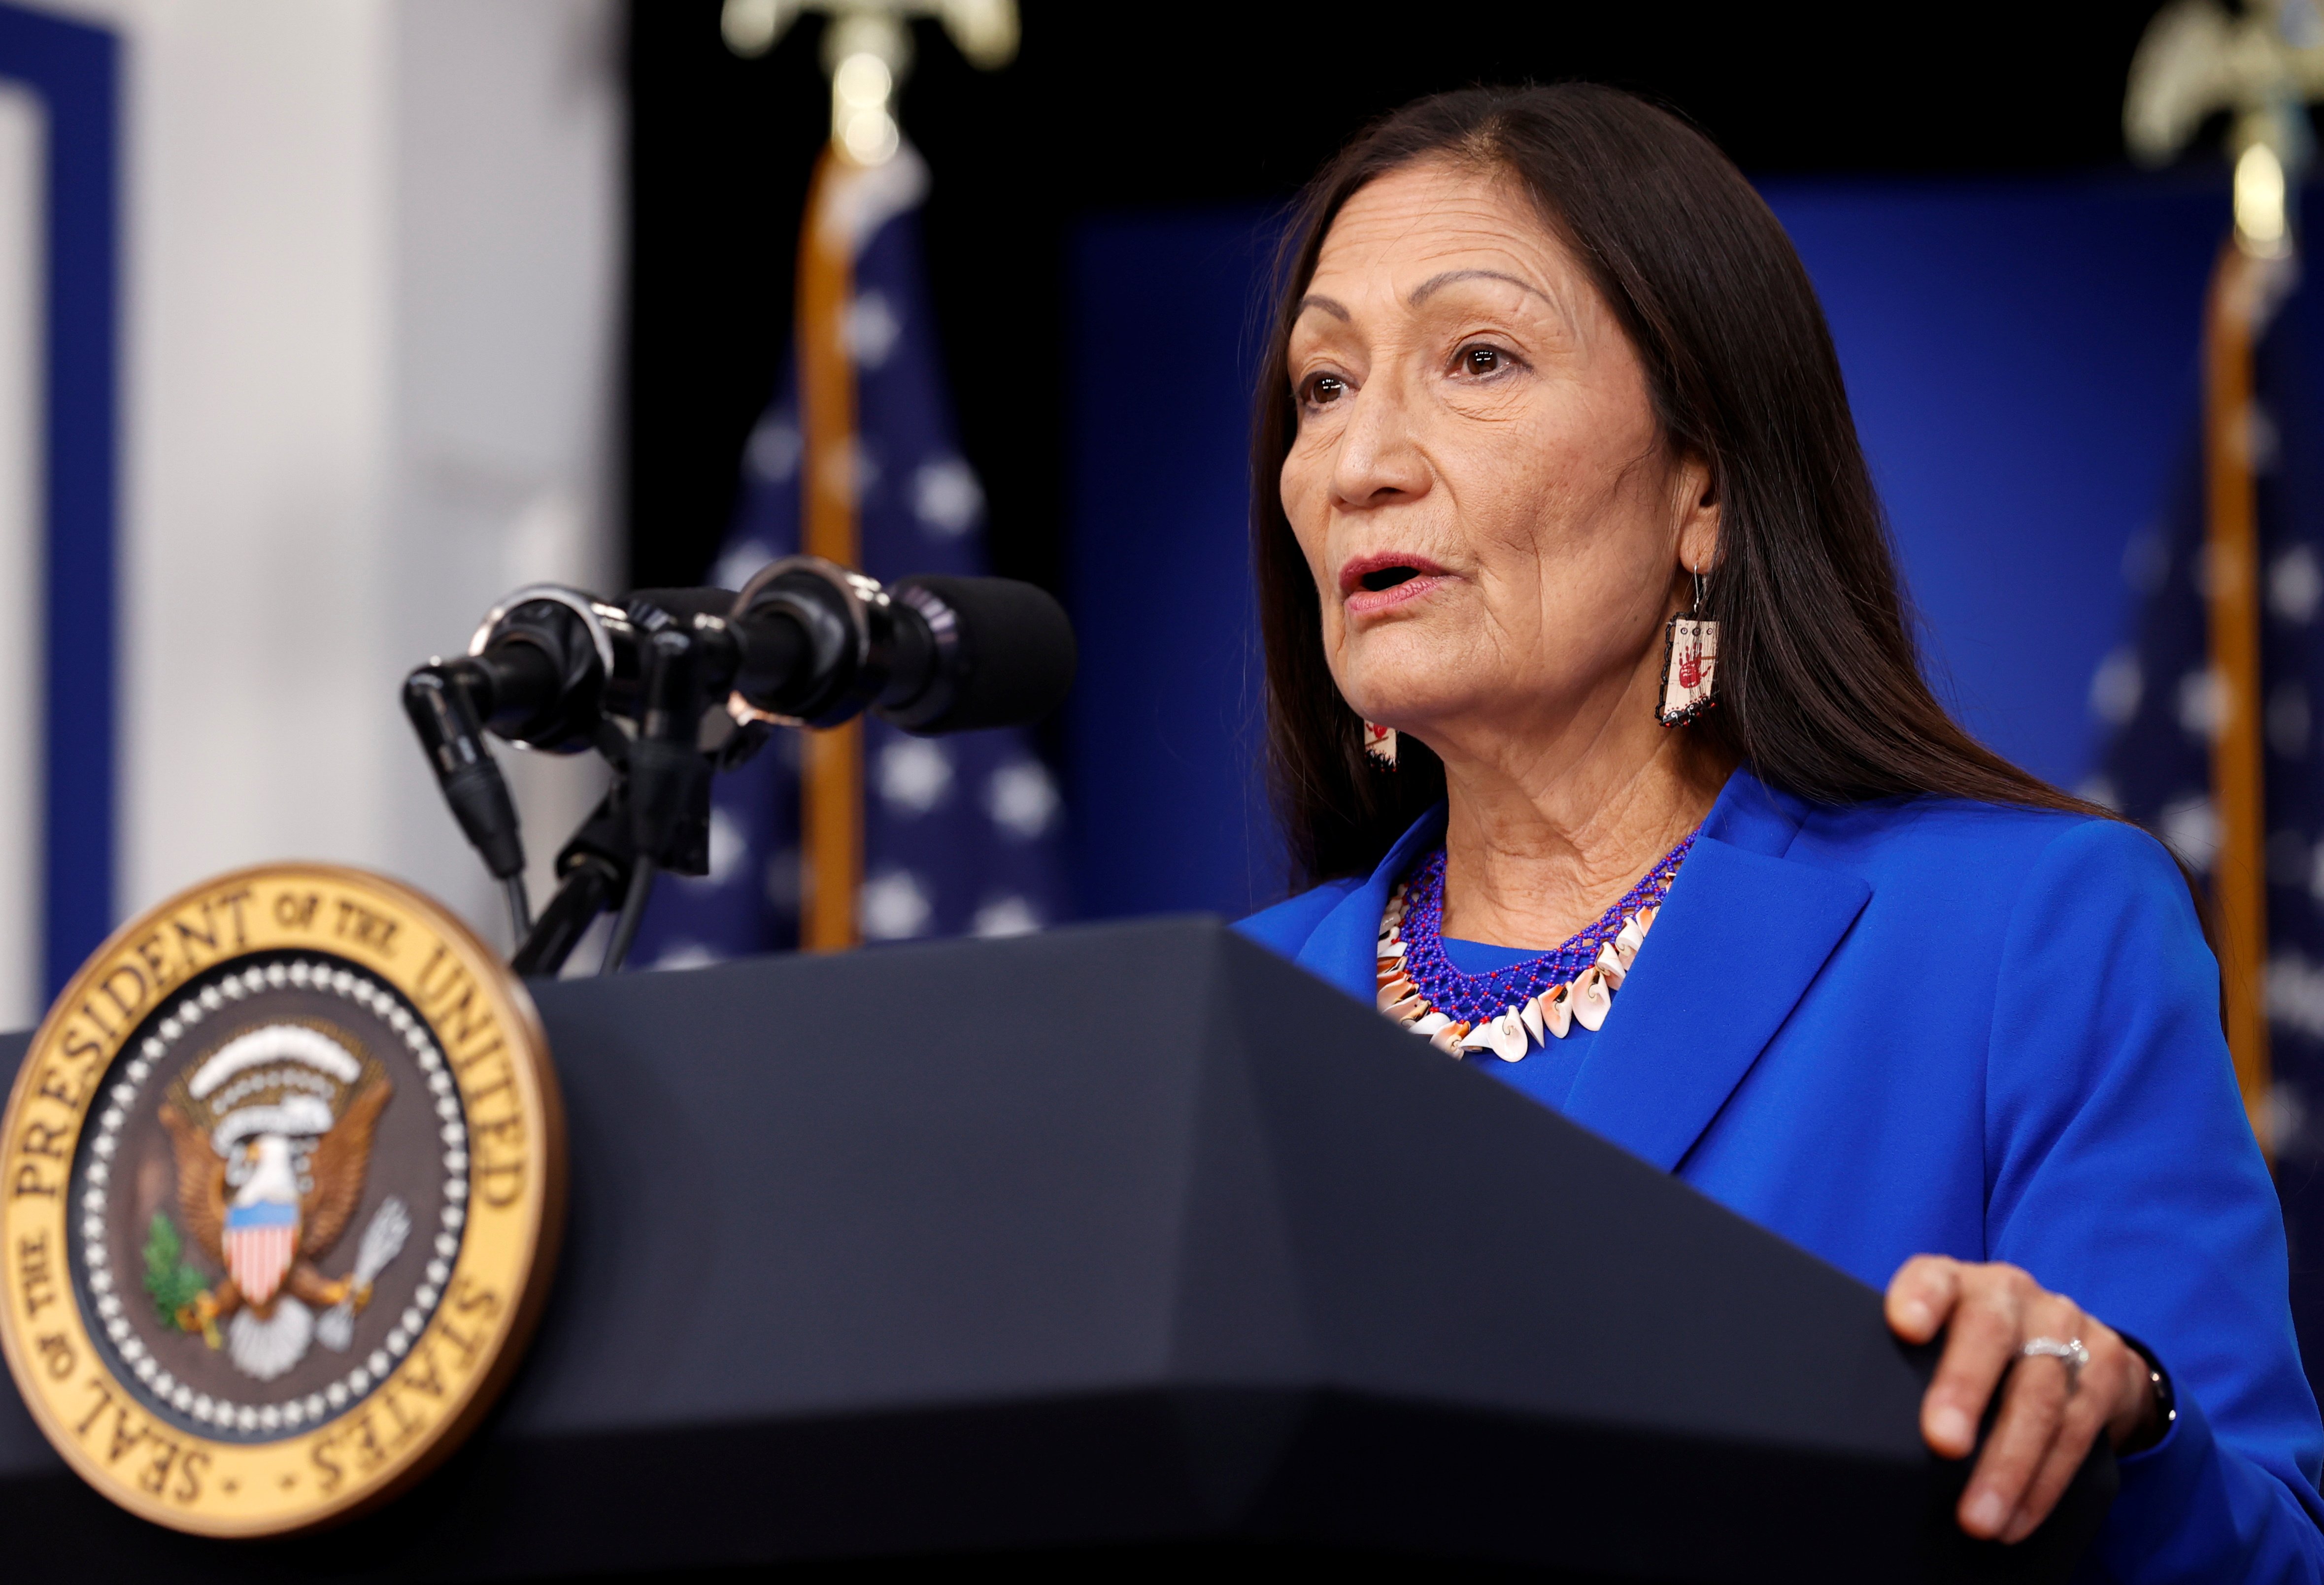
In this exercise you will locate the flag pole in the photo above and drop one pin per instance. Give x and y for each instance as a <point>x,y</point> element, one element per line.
<point>2259,66</point>
<point>2231,579</point>
<point>832,788</point>
<point>867,48</point>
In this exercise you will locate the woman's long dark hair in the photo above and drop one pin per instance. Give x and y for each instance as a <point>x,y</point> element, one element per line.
<point>1820,679</point>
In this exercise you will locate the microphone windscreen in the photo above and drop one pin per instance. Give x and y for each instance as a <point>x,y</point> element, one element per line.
<point>1016,657</point>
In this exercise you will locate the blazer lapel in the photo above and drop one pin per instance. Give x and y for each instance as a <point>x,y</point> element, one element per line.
<point>1743,933</point>
<point>1344,947</point>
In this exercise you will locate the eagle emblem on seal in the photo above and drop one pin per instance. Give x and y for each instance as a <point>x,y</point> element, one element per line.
<point>271,1135</point>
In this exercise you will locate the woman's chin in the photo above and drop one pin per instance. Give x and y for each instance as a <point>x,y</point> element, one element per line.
<point>1408,662</point>
<point>1395,702</point>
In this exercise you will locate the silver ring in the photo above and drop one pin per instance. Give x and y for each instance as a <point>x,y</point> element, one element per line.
<point>2070,1353</point>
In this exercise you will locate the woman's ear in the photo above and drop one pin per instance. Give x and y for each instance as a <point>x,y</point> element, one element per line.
<point>1695,496</point>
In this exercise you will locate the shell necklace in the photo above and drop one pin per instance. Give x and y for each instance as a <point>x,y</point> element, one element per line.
<point>1536,1000</point>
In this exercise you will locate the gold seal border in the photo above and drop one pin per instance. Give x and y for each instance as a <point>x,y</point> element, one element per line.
<point>499,1279</point>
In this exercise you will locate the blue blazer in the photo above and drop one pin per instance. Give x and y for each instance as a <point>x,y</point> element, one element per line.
<point>1928,1026</point>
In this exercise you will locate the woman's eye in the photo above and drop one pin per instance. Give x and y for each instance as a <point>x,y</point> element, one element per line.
<point>1483,360</point>
<point>1324,388</point>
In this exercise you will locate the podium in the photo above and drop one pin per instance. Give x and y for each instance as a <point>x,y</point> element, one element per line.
<point>1121,1243</point>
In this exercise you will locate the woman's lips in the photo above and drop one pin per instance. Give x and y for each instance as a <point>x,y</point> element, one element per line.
<point>1418,577</point>
<point>1363,602</point>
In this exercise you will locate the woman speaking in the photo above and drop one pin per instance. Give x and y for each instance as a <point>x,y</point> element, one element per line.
<point>1599,730</point>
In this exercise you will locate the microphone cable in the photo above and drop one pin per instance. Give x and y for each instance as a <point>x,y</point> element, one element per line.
<point>632,915</point>
<point>519,907</point>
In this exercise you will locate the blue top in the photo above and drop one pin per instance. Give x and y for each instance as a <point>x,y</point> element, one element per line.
<point>1546,1073</point>
<point>1926,1026</point>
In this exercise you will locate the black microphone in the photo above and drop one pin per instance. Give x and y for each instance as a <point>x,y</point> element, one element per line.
<point>818,644</point>
<point>444,716</point>
<point>537,674</point>
<point>547,665</point>
<point>700,676</point>
<point>807,642</point>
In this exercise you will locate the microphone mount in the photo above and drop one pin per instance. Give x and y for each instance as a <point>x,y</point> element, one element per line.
<point>678,684</point>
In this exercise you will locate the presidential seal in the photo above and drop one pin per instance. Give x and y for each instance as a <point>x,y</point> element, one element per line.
<point>283,1175</point>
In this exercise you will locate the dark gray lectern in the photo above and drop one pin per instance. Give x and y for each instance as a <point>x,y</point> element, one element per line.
<point>1121,1243</point>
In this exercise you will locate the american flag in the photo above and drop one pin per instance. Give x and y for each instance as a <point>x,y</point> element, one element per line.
<point>962,835</point>
<point>2162,705</point>
<point>261,1238</point>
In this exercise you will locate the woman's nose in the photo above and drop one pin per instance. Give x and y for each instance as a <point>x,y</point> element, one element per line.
<point>1379,460</point>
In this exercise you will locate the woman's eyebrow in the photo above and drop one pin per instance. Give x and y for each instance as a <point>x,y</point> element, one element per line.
<point>1329,305</point>
<point>1420,292</point>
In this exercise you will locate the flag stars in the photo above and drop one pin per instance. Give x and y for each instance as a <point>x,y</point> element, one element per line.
<point>915,775</point>
<point>2287,1116</point>
<point>728,847</point>
<point>871,328</point>
<point>2295,584</point>
<point>2202,704</point>
<point>740,561</point>
<point>947,497</point>
<point>2117,687</point>
<point>895,906</point>
<point>2191,827</point>
<point>773,456</point>
<point>1021,798</point>
<point>1005,916</point>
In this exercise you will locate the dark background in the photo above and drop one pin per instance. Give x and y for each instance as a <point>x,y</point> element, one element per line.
<point>1109,108</point>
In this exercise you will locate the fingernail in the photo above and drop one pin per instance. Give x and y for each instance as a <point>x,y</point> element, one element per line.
<point>1986,1513</point>
<point>1951,1427</point>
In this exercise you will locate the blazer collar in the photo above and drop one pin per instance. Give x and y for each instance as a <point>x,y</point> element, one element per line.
<point>1735,947</point>
<point>1743,933</point>
<point>1344,947</point>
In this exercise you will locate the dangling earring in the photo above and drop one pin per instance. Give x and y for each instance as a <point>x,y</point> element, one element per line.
<point>1690,665</point>
<point>1379,746</point>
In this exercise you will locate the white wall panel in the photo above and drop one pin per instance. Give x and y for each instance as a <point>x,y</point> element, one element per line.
<point>23,243</point>
<point>373,302</point>
<point>254,555</point>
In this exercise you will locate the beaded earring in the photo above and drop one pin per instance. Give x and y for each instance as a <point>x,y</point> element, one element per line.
<point>1690,665</point>
<point>1379,745</point>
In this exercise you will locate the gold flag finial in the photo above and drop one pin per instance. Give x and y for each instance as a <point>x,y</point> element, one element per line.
<point>2262,67</point>
<point>867,49</point>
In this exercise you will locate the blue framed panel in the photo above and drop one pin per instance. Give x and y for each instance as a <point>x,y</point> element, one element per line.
<point>2021,357</point>
<point>76,71</point>
<point>1167,779</point>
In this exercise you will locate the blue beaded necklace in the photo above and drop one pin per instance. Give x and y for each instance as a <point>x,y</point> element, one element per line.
<point>1472,998</point>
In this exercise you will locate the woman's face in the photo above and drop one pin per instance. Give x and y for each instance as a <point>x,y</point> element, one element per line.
<point>1479,483</point>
